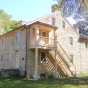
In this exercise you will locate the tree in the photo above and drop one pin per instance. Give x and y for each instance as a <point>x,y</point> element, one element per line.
<point>54,7</point>
<point>60,3</point>
<point>6,23</point>
<point>57,6</point>
<point>86,3</point>
<point>71,7</point>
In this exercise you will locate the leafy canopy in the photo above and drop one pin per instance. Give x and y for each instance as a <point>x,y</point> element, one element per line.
<point>6,23</point>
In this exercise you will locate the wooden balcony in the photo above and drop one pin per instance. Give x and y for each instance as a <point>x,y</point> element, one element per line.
<point>41,35</point>
<point>43,42</point>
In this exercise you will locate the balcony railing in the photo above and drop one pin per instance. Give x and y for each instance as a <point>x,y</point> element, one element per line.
<point>45,42</point>
<point>42,42</point>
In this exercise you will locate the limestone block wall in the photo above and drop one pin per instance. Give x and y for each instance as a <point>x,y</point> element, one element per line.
<point>68,37</point>
<point>13,50</point>
<point>31,63</point>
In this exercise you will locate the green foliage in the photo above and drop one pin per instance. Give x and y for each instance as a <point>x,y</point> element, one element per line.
<point>6,23</point>
<point>59,3</point>
<point>57,6</point>
<point>86,3</point>
<point>54,7</point>
<point>83,75</point>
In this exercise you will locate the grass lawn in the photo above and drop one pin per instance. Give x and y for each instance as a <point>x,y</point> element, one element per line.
<point>62,83</point>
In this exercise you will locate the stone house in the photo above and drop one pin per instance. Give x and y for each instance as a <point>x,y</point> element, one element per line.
<point>44,47</point>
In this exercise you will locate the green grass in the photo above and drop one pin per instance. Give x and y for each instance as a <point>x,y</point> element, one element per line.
<point>61,83</point>
<point>83,74</point>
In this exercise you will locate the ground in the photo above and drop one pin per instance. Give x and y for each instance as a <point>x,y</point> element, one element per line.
<point>61,83</point>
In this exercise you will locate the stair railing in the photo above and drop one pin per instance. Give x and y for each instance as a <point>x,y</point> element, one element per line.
<point>64,56</point>
<point>60,62</point>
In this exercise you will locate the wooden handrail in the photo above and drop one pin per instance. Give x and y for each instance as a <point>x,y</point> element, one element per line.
<point>60,71</point>
<point>65,58</point>
<point>64,53</point>
<point>64,67</point>
<point>64,62</point>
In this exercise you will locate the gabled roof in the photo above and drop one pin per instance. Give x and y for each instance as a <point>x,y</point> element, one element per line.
<point>42,23</point>
<point>24,26</point>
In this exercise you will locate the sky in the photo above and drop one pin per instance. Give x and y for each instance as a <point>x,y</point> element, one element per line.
<point>26,10</point>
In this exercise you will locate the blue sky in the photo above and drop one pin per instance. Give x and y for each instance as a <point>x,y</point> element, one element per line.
<point>26,9</point>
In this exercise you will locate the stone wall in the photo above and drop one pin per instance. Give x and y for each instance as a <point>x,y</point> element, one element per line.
<point>12,50</point>
<point>68,37</point>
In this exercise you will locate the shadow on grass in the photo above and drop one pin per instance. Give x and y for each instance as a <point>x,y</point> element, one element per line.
<point>70,81</point>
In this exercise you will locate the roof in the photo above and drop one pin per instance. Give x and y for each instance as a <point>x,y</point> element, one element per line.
<point>41,23</point>
<point>17,28</point>
<point>29,25</point>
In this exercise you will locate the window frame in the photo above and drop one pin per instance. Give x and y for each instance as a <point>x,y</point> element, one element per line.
<point>71,40</point>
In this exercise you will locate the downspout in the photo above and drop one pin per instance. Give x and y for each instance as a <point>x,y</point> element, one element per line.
<point>26,56</point>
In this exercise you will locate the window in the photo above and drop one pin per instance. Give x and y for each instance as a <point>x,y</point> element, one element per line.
<point>86,45</point>
<point>18,37</point>
<point>71,58</point>
<point>22,58</point>
<point>13,41</point>
<point>1,58</point>
<point>43,34</point>
<point>63,24</point>
<point>71,40</point>
<point>53,21</point>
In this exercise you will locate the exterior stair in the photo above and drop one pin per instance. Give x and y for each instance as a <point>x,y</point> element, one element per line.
<point>65,58</point>
<point>63,62</point>
<point>49,67</point>
<point>59,62</point>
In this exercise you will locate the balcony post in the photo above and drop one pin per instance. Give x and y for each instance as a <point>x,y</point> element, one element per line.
<point>36,76</point>
<point>37,37</point>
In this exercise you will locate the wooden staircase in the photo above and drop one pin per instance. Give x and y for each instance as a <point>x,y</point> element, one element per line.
<point>61,58</point>
<point>59,62</point>
<point>50,67</point>
<point>63,67</point>
<point>65,58</point>
<point>57,67</point>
